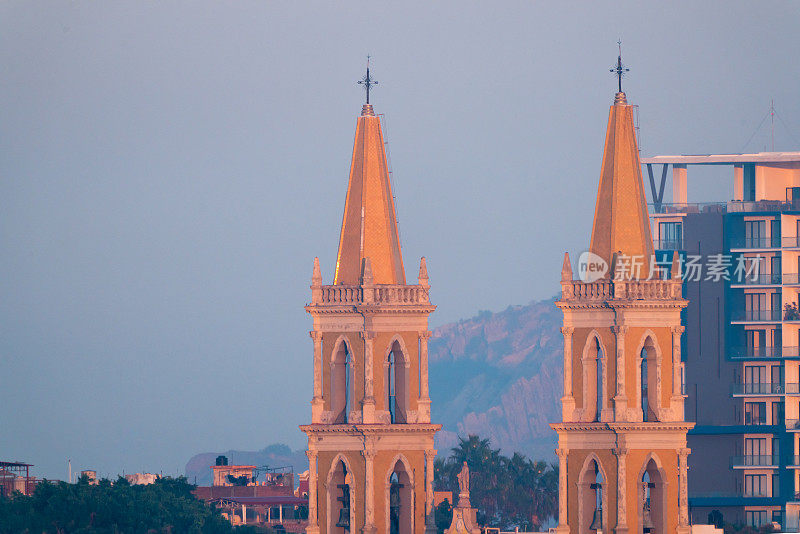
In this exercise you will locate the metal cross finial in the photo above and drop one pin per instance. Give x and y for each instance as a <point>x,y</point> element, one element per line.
<point>619,70</point>
<point>367,82</point>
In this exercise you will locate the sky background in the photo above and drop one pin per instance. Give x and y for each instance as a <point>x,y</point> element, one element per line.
<point>168,171</point>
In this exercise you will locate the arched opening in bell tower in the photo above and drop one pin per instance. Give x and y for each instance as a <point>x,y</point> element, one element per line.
<point>652,499</point>
<point>594,379</point>
<point>341,383</point>
<point>397,384</point>
<point>648,376</point>
<point>340,503</point>
<point>592,498</point>
<point>400,506</point>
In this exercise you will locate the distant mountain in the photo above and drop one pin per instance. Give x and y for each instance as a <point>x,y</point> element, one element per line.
<point>499,375</point>
<point>277,455</point>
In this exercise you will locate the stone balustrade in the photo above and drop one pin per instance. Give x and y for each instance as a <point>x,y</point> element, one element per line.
<point>375,294</point>
<point>605,289</point>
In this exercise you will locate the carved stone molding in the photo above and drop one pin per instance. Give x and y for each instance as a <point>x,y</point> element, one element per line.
<point>567,330</point>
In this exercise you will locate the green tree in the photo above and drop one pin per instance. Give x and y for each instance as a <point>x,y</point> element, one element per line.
<point>167,506</point>
<point>507,492</point>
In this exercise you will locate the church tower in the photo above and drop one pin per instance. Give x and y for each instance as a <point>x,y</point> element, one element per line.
<point>370,441</point>
<point>622,440</point>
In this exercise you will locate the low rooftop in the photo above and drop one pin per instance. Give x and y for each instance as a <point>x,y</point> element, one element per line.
<point>725,159</point>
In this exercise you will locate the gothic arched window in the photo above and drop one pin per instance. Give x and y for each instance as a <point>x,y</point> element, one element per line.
<point>396,384</point>
<point>341,383</point>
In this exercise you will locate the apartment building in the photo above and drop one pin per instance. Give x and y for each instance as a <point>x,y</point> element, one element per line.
<point>740,259</point>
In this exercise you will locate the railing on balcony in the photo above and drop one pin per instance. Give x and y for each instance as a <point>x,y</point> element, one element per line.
<point>756,242</point>
<point>695,207</point>
<point>793,424</point>
<point>743,353</point>
<point>791,278</point>
<point>760,280</point>
<point>791,242</point>
<point>762,316</point>
<point>794,461</point>
<point>734,206</point>
<point>668,244</point>
<point>755,460</point>
<point>765,388</point>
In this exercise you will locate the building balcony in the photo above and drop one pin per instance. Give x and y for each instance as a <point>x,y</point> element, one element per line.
<point>771,279</point>
<point>767,388</point>
<point>791,279</point>
<point>768,461</point>
<point>668,244</point>
<point>791,242</point>
<point>748,243</point>
<point>758,316</point>
<point>756,353</point>
<point>793,425</point>
<point>794,462</point>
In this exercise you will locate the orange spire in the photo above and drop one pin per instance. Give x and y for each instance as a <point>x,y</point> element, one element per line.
<point>621,224</point>
<point>369,225</point>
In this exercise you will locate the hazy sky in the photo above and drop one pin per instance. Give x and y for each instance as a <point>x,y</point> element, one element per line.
<point>168,171</point>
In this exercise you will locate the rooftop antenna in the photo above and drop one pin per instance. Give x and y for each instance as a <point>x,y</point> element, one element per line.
<point>772,118</point>
<point>619,70</point>
<point>367,82</point>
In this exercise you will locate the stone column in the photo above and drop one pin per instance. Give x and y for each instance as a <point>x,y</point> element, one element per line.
<point>677,394</point>
<point>567,401</point>
<point>313,520</point>
<point>683,491</point>
<point>621,452</point>
<point>369,489</point>
<point>368,404</point>
<point>562,491</point>
<point>424,409</point>
<point>621,397</point>
<point>317,402</point>
<point>430,515</point>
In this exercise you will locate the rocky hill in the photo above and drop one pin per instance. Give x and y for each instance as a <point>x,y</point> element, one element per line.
<point>499,375</point>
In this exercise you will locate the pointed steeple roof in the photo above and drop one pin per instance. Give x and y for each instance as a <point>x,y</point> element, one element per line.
<point>369,225</point>
<point>621,224</point>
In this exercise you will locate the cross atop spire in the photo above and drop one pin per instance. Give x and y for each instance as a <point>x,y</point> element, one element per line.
<point>619,70</point>
<point>367,82</point>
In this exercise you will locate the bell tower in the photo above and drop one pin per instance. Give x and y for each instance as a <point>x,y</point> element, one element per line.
<point>622,440</point>
<point>370,441</point>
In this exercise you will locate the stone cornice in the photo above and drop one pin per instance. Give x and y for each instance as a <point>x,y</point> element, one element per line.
<point>669,426</point>
<point>615,304</point>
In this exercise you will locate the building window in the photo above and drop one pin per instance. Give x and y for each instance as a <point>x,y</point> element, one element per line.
<point>644,385</point>
<point>755,413</point>
<point>755,451</point>
<point>755,518</point>
<point>599,384</point>
<point>396,384</point>
<point>755,378</point>
<point>755,486</point>
<point>754,234</point>
<point>777,413</point>
<point>671,235</point>
<point>341,383</point>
